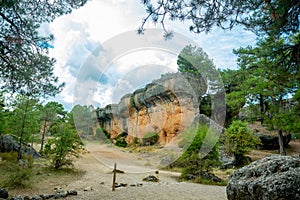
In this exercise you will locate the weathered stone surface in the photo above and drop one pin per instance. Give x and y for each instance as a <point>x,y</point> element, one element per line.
<point>274,177</point>
<point>9,144</point>
<point>3,193</point>
<point>17,197</point>
<point>151,178</point>
<point>270,142</point>
<point>72,192</point>
<point>40,197</point>
<point>166,106</point>
<point>44,196</point>
<point>269,138</point>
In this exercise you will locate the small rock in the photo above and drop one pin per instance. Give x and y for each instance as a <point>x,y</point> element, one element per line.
<point>87,189</point>
<point>3,193</point>
<point>102,183</point>
<point>151,178</point>
<point>57,196</point>
<point>72,192</point>
<point>17,197</point>
<point>190,177</point>
<point>120,185</point>
<point>62,193</point>
<point>37,198</point>
<point>26,198</point>
<point>46,196</point>
<point>119,171</point>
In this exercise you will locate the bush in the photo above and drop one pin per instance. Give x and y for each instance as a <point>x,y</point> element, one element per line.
<point>150,138</point>
<point>121,142</point>
<point>64,147</point>
<point>15,174</point>
<point>193,161</point>
<point>239,141</point>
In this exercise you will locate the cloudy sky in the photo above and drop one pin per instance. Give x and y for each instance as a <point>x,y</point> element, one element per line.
<point>100,57</point>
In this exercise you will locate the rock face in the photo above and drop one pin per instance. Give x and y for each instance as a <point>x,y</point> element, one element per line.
<point>269,139</point>
<point>274,177</point>
<point>8,144</point>
<point>166,106</point>
<point>270,142</point>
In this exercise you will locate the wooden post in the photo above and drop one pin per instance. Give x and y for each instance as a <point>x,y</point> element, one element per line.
<point>114,177</point>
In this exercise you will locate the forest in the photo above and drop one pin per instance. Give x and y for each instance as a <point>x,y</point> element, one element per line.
<point>263,90</point>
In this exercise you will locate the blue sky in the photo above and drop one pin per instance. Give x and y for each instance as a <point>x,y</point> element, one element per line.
<point>88,31</point>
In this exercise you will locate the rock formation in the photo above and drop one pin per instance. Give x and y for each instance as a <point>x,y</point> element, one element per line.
<point>8,144</point>
<point>274,177</point>
<point>269,139</point>
<point>166,106</point>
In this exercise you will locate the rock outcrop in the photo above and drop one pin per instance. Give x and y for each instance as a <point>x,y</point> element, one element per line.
<point>270,142</point>
<point>269,139</point>
<point>166,106</point>
<point>9,144</point>
<point>274,177</point>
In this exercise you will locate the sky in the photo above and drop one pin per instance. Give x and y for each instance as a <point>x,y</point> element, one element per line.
<point>101,58</point>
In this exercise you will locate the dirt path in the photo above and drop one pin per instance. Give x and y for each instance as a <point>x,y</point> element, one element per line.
<point>97,181</point>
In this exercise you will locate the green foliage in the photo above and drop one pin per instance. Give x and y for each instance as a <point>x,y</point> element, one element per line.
<point>51,114</point>
<point>196,141</point>
<point>25,65</point>
<point>136,140</point>
<point>132,102</point>
<point>194,60</point>
<point>150,138</point>
<point>205,105</point>
<point>261,17</point>
<point>121,142</point>
<point>83,118</point>
<point>64,147</point>
<point>24,118</point>
<point>239,140</point>
<point>272,74</point>
<point>15,174</point>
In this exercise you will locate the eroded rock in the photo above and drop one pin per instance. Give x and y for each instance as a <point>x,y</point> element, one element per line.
<point>273,177</point>
<point>9,144</point>
<point>166,106</point>
<point>151,178</point>
<point>3,193</point>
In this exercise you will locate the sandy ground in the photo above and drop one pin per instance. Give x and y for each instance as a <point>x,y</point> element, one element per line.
<point>96,183</point>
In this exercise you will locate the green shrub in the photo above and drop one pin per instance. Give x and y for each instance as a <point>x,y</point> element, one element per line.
<point>193,161</point>
<point>15,174</point>
<point>150,138</point>
<point>239,141</point>
<point>136,140</point>
<point>121,142</point>
<point>64,147</point>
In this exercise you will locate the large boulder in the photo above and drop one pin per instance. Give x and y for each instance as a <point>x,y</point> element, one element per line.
<point>269,138</point>
<point>273,177</point>
<point>270,142</point>
<point>9,144</point>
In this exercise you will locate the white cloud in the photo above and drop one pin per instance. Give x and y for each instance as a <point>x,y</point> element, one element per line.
<point>79,33</point>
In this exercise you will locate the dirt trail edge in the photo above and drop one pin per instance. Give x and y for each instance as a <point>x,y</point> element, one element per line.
<point>97,181</point>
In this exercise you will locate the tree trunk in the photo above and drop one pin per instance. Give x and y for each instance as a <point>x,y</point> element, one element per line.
<point>43,137</point>
<point>22,131</point>
<point>262,110</point>
<point>281,146</point>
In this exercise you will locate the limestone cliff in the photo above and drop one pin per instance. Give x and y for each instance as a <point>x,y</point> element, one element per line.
<point>166,106</point>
